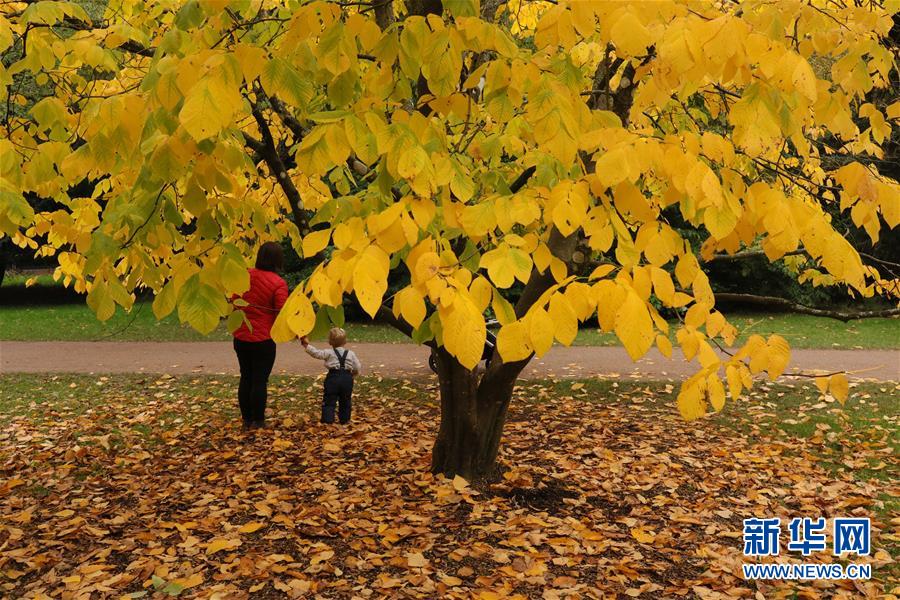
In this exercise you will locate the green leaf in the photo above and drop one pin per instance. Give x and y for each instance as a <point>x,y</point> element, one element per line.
<point>189,16</point>
<point>100,300</point>
<point>235,320</point>
<point>173,589</point>
<point>233,272</point>
<point>164,302</point>
<point>16,208</point>
<point>323,324</point>
<point>342,88</point>
<point>464,8</point>
<point>201,305</point>
<point>424,333</point>
<point>336,315</point>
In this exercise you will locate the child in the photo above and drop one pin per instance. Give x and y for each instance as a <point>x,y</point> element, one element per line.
<point>342,366</point>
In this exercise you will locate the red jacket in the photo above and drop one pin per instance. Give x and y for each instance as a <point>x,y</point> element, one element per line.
<point>265,298</point>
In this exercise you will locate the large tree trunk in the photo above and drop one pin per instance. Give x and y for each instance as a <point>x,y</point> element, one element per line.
<point>473,406</point>
<point>473,412</point>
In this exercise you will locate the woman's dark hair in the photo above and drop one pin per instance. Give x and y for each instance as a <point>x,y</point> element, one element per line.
<point>270,257</point>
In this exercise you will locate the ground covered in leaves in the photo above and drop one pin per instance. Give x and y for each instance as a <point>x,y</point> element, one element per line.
<point>144,487</point>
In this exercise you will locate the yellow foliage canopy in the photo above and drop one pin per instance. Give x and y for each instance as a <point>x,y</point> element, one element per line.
<point>205,128</point>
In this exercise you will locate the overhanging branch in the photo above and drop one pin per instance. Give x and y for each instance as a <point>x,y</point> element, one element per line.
<point>788,305</point>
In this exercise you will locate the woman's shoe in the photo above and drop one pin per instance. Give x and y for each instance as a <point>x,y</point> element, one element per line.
<point>258,425</point>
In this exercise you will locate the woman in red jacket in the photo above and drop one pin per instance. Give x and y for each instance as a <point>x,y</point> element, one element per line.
<point>253,345</point>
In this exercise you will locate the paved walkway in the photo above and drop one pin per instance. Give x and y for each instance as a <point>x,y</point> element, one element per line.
<point>395,360</point>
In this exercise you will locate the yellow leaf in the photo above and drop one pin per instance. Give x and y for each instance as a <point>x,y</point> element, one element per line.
<point>251,58</point>
<point>564,319</point>
<point>634,326</point>
<point>302,318</point>
<point>664,345</point>
<point>514,342</point>
<point>370,278</point>
<point>426,267</point>
<point>662,285</point>
<point>602,271</point>
<point>481,291</point>
<point>209,107</point>
<point>296,318</point>
<point>804,80</point>
<point>613,167</point>
<point>779,356</point>
<point>219,544</point>
<point>822,384</point>
<point>251,527</point>
<point>720,221</point>
<point>325,291</point>
<point>839,387</point>
<point>733,375</point>
<point>690,402</point>
<point>464,331</point>
<point>540,330</point>
<point>630,35</point>
<point>315,241</point>
<point>189,582</point>
<point>459,483</point>
<point>503,310</point>
<point>410,304</point>
<point>642,535</point>
<point>716,392</point>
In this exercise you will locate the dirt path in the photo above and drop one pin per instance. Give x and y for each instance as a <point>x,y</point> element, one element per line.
<point>393,360</point>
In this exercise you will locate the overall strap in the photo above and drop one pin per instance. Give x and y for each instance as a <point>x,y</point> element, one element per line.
<point>341,359</point>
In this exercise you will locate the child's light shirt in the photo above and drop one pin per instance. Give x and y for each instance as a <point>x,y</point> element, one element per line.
<point>351,363</point>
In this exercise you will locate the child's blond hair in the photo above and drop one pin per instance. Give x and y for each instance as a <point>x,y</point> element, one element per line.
<point>337,337</point>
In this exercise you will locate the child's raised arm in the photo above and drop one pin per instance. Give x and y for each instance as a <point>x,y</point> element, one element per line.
<point>312,350</point>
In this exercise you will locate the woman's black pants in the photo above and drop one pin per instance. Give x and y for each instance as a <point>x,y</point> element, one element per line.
<point>256,360</point>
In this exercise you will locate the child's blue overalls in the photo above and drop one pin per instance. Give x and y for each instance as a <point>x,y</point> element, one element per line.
<point>338,388</point>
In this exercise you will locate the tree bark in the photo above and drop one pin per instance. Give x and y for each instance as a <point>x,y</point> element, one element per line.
<point>473,413</point>
<point>474,407</point>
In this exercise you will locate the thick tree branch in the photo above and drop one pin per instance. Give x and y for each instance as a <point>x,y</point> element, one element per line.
<point>501,374</point>
<point>384,13</point>
<point>289,120</point>
<point>268,150</point>
<point>787,305</point>
<point>747,254</point>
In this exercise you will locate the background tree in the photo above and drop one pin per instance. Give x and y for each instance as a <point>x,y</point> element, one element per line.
<point>559,146</point>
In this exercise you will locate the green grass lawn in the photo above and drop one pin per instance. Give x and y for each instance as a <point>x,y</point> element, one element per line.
<point>22,279</point>
<point>75,322</point>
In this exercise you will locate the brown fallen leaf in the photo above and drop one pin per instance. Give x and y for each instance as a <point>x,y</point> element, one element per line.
<point>416,559</point>
<point>219,544</point>
<point>251,527</point>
